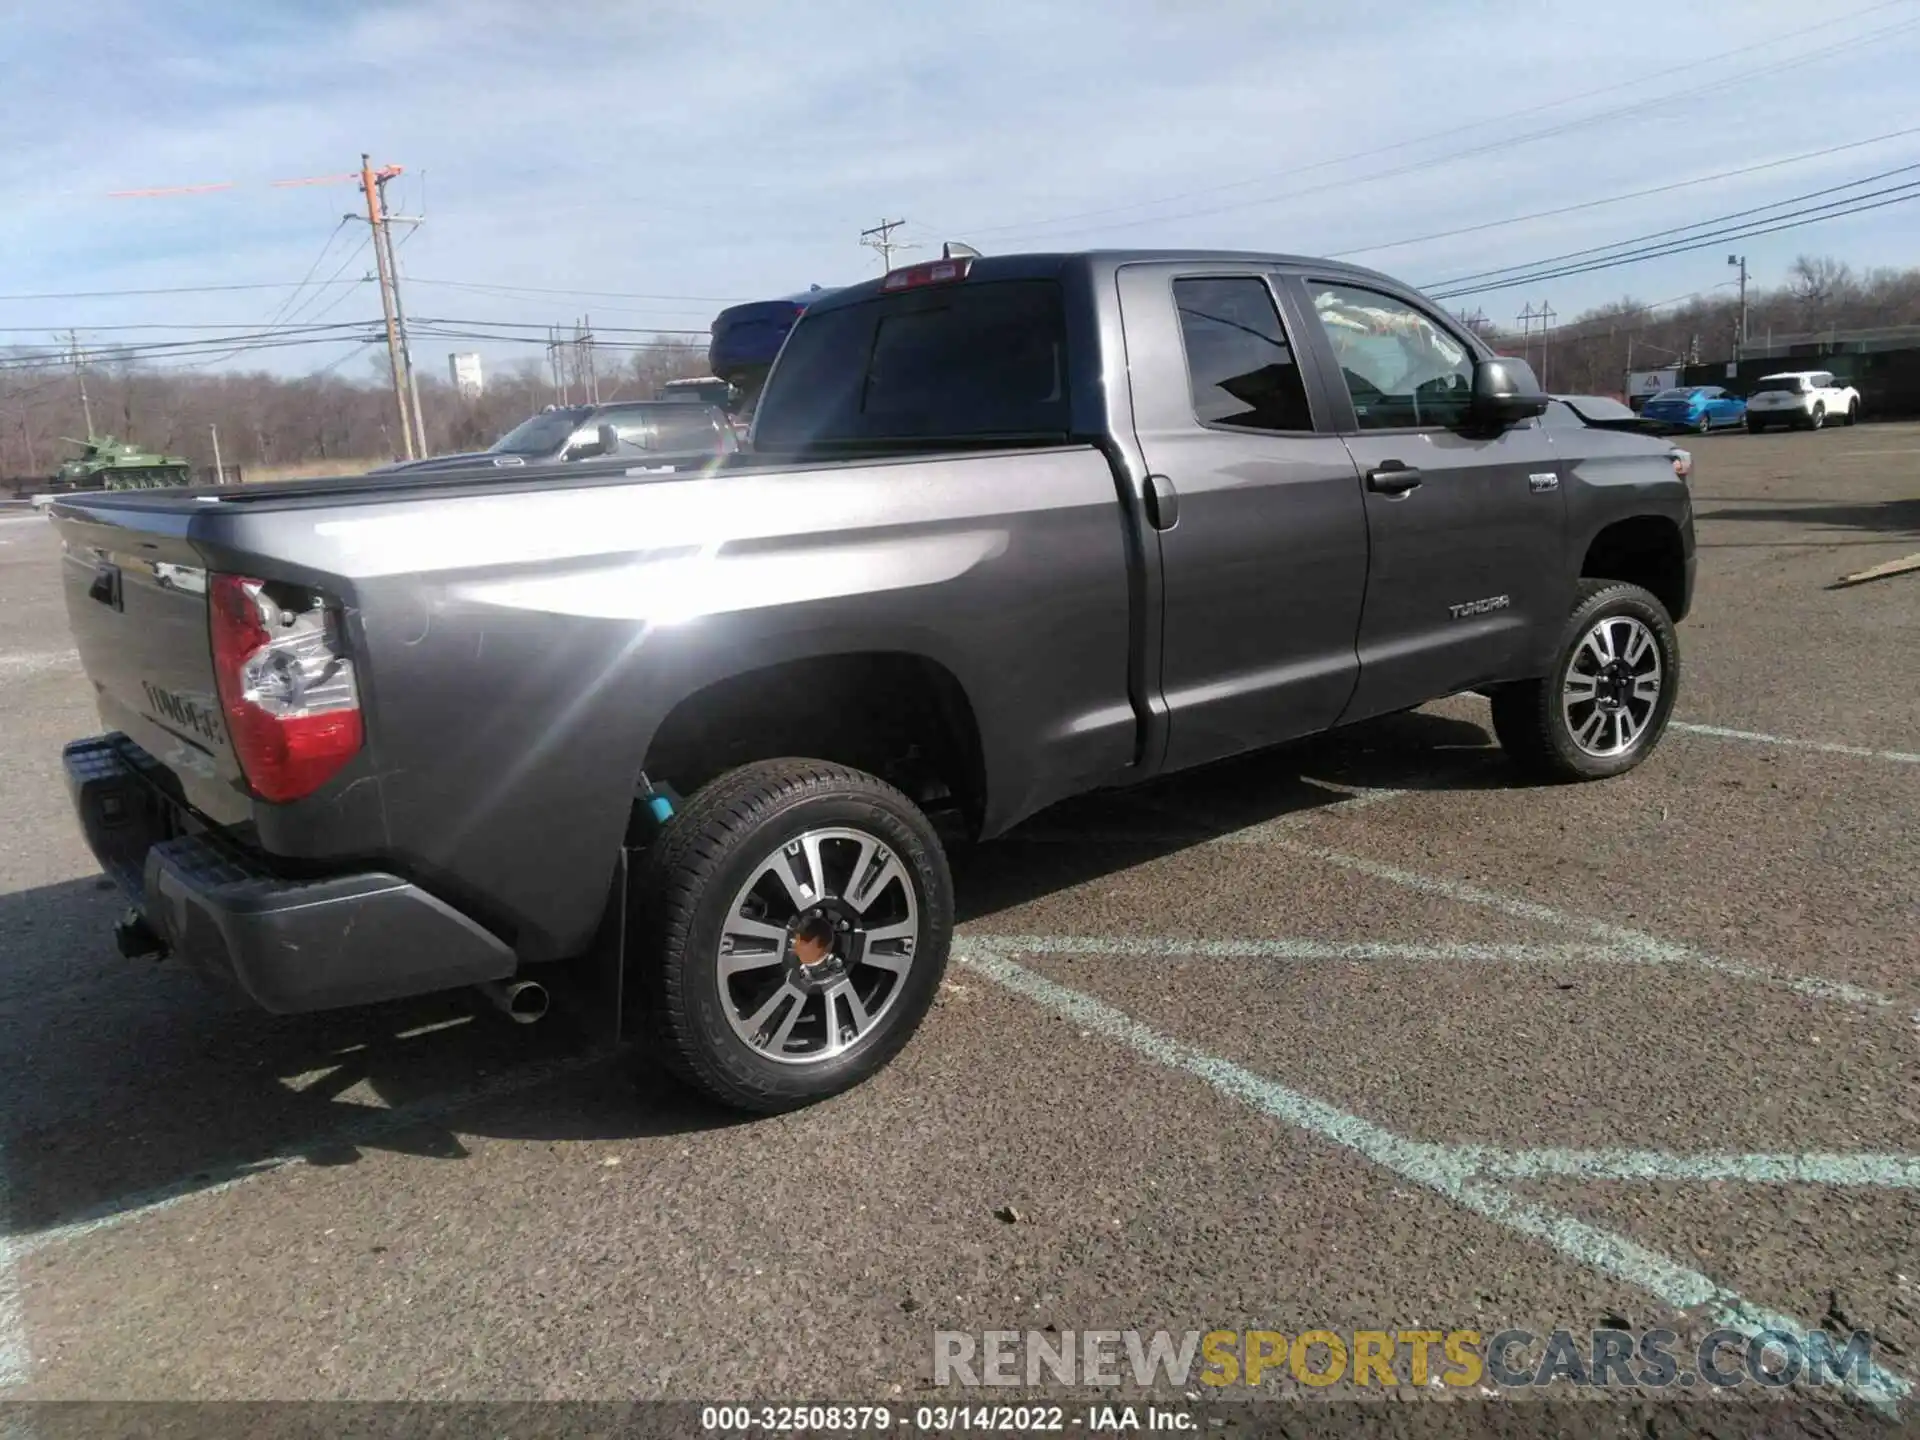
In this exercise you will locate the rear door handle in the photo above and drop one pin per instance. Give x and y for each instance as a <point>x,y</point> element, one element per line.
<point>1163,502</point>
<point>1393,478</point>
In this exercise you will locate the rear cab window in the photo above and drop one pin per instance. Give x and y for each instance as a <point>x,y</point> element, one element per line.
<point>1241,369</point>
<point>968,361</point>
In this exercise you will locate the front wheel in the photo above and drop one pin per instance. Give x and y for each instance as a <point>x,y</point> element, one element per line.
<point>1853,412</point>
<point>1604,705</point>
<point>796,918</point>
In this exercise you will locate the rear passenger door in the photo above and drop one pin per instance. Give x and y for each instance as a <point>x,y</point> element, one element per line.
<point>1262,536</point>
<point>1468,573</point>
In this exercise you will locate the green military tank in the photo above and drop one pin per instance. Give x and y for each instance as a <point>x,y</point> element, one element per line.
<point>105,463</point>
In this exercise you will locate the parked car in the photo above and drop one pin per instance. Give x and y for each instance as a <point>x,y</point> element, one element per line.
<point>1013,529</point>
<point>702,389</point>
<point>649,429</point>
<point>1801,399</point>
<point>1699,408</point>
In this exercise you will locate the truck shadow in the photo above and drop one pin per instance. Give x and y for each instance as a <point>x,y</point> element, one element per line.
<point>128,1085</point>
<point>1880,517</point>
<point>1085,839</point>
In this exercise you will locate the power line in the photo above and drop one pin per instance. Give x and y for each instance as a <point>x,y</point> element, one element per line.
<point>588,294</point>
<point>1506,143</point>
<point>1852,205</point>
<point>1505,270</point>
<point>165,290</point>
<point>1629,195</point>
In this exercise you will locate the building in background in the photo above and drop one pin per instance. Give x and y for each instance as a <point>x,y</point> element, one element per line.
<point>465,370</point>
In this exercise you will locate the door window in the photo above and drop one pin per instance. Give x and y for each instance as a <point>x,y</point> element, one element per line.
<point>1240,368</point>
<point>1402,369</point>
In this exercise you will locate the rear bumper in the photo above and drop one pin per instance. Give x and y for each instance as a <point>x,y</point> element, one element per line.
<point>290,945</point>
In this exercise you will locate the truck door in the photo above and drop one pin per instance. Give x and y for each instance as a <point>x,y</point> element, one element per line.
<point>1466,529</point>
<point>1262,534</point>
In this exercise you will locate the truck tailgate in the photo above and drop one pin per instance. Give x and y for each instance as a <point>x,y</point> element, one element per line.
<point>136,594</point>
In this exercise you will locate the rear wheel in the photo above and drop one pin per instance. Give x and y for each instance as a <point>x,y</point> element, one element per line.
<point>745,1004</point>
<point>1703,425</point>
<point>1605,704</point>
<point>1755,427</point>
<point>1817,420</point>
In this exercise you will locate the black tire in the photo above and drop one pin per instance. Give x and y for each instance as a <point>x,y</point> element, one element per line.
<point>1853,412</point>
<point>1531,722</point>
<point>1755,427</point>
<point>1705,425</point>
<point>689,881</point>
<point>1818,419</point>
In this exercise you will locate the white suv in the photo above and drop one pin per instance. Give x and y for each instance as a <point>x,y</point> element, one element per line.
<point>1802,399</point>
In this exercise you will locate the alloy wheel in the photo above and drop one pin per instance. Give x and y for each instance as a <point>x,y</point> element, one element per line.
<point>1612,686</point>
<point>798,1013</point>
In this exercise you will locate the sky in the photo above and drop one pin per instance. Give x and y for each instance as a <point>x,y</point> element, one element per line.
<point>663,159</point>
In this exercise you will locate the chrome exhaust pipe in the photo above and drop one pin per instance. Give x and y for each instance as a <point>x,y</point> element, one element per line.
<point>521,1001</point>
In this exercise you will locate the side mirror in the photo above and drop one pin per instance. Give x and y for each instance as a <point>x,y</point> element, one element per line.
<point>1505,392</point>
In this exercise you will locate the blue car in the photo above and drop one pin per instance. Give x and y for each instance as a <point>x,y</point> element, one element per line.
<point>1698,408</point>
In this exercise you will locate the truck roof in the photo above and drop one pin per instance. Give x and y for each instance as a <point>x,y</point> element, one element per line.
<point>1041,265</point>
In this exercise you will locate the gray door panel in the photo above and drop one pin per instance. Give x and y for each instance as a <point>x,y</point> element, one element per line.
<point>1264,563</point>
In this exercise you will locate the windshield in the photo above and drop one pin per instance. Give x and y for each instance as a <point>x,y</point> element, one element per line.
<point>1789,383</point>
<point>542,434</point>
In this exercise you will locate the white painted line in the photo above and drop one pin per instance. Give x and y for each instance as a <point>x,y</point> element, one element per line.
<point>1892,1172</point>
<point>363,1127</point>
<point>33,662</point>
<point>14,1359</point>
<point>1634,942</point>
<point>1432,1166</point>
<point>1298,951</point>
<point>1824,747</point>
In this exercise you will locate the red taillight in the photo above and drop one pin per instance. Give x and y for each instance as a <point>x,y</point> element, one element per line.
<point>286,684</point>
<point>928,272</point>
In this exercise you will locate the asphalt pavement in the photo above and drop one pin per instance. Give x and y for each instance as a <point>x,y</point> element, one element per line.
<point>1360,1034</point>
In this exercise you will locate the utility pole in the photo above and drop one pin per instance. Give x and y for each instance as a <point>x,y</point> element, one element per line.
<point>584,332</point>
<point>880,238</point>
<point>400,315</point>
<point>80,373</point>
<point>219,470</point>
<point>370,182</point>
<point>1740,342</point>
<point>1526,317</point>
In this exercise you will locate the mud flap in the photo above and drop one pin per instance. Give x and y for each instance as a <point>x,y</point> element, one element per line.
<point>599,1000</point>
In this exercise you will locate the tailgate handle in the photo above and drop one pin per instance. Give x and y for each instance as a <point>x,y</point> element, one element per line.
<point>106,586</point>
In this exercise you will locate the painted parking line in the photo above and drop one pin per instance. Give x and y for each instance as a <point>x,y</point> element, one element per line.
<point>14,1361</point>
<point>1887,1172</point>
<point>33,662</point>
<point>366,1126</point>
<point>1433,1167</point>
<point>1303,951</point>
<point>1824,747</point>
<point>1623,940</point>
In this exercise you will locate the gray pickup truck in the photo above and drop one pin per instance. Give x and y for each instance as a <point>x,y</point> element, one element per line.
<point>1011,529</point>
